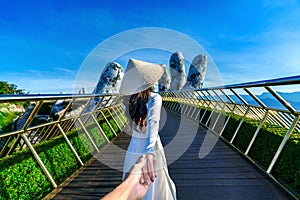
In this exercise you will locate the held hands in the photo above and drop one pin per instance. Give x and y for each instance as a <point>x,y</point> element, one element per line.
<point>136,185</point>
<point>142,174</point>
<point>147,163</point>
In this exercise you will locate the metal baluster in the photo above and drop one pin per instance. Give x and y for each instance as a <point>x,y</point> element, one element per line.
<point>108,123</point>
<point>208,105</point>
<point>122,115</point>
<point>39,161</point>
<point>117,114</point>
<point>214,107</point>
<point>285,139</point>
<point>222,109</point>
<point>256,132</point>
<point>87,134</point>
<point>239,126</point>
<point>119,127</point>
<point>199,109</point>
<point>100,128</point>
<point>70,145</point>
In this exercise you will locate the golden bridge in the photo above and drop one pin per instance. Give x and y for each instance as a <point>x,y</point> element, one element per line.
<point>229,144</point>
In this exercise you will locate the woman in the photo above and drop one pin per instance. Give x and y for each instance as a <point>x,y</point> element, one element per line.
<point>143,110</point>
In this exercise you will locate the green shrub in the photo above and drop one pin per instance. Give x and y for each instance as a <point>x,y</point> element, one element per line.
<point>231,127</point>
<point>6,120</point>
<point>22,178</point>
<point>58,158</point>
<point>245,134</point>
<point>81,145</point>
<point>266,144</point>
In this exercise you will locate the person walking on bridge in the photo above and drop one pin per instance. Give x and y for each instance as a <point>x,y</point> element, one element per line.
<point>143,108</point>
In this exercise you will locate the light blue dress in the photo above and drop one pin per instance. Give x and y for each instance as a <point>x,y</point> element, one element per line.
<point>163,187</point>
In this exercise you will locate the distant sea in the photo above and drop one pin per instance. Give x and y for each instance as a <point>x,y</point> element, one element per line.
<point>293,98</point>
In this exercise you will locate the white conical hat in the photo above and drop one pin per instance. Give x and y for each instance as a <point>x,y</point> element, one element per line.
<point>139,76</point>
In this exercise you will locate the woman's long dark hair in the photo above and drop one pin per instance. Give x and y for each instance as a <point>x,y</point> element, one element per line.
<point>136,109</point>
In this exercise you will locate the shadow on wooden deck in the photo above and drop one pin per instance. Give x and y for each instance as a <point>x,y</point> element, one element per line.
<point>222,174</point>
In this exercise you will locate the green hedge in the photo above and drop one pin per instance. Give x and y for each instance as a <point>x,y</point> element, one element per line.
<point>22,178</point>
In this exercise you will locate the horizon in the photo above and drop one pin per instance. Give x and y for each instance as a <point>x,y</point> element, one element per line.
<point>45,43</point>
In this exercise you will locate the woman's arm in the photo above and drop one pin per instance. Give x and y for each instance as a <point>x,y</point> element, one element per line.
<point>153,123</point>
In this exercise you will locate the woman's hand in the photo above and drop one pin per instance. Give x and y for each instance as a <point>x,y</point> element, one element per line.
<point>141,176</point>
<point>148,169</point>
<point>143,173</point>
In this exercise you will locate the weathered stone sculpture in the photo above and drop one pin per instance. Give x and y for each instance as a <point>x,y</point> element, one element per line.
<point>58,107</point>
<point>110,79</point>
<point>197,71</point>
<point>165,81</point>
<point>177,70</point>
<point>109,82</point>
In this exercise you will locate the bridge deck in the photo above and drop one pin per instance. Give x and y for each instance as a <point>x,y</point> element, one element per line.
<point>222,174</point>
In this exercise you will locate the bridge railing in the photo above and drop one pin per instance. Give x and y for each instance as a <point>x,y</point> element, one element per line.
<point>260,102</point>
<point>213,107</point>
<point>48,116</point>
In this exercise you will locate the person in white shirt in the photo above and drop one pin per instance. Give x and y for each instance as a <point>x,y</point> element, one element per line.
<point>143,111</point>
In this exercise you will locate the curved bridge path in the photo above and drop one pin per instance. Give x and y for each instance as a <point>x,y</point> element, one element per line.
<point>222,174</point>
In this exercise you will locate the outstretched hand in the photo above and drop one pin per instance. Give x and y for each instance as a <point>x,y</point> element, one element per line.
<point>136,185</point>
<point>142,175</point>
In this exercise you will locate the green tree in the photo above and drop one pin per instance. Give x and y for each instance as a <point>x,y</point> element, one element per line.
<point>7,88</point>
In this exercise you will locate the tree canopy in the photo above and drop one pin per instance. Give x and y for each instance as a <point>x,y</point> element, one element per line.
<point>7,88</point>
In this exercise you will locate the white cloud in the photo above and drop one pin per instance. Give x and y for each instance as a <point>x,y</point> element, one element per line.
<point>64,70</point>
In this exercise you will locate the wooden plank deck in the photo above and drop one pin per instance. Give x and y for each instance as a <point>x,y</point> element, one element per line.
<point>222,174</point>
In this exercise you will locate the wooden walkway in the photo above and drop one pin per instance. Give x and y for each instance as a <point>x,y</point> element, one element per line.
<point>222,174</point>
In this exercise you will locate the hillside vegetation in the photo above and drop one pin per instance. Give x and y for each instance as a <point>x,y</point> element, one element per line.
<point>9,111</point>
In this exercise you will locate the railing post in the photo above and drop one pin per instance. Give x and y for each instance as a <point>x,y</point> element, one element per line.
<point>169,105</point>
<point>227,121</point>
<point>208,105</point>
<point>221,111</point>
<point>116,110</point>
<point>119,127</point>
<point>192,103</point>
<point>218,117</point>
<point>256,132</point>
<point>2,151</point>
<point>70,145</point>
<point>281,100</point>
<point>108,123</point>
<point>39,161</point>
<point>88,135</point>
<point>122,115</point>
<point>239,126</point>
<point>198,104</point>
<point>185,103</point>
<point>32,114</point>
<point>285,139</point>
<point>99,127</point>
<point>176,104</point>
<point>213,109</point>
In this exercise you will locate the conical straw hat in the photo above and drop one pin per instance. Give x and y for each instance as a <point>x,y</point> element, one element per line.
<point>139,76</point>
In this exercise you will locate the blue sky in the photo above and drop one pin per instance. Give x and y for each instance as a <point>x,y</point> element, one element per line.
<point>44,43</point>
